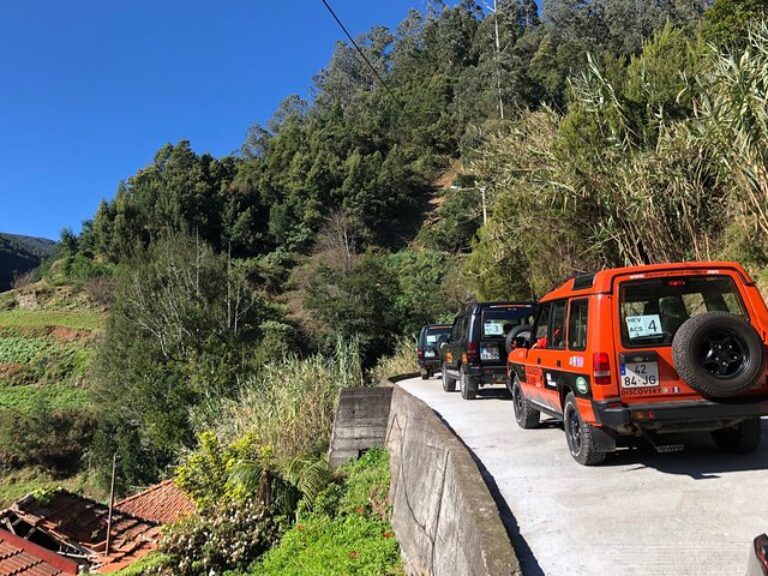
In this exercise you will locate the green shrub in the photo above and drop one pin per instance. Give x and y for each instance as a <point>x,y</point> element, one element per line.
<point>366,485</point>
<point>288,405</point>
<point>348,534</point>
<point>41,435</point>
<point>346,546</point>
<point>218,540</point>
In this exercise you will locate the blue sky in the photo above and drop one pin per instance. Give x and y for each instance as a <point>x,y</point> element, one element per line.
<point>90,89</point>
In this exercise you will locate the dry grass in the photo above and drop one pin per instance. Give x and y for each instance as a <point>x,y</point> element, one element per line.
<point>289,406</point>
<point>403,361</point>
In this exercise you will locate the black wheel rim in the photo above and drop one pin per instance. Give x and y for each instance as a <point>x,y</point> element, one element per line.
<point>518,400</point>
<point>724,354</point>
<point>573,432</point>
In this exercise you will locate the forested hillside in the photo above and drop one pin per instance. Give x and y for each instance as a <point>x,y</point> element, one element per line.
<point>491,155</point>
<point>602,133</point>
<point>19,255</point>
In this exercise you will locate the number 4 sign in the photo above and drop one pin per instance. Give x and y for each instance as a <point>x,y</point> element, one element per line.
<point>640,326</point>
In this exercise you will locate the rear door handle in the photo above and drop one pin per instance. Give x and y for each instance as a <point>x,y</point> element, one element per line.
<point>538,360</point>
<point>558,363</point>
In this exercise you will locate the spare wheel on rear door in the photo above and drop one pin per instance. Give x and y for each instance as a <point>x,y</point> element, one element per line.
<point>524,331</point>
<point>718,354</point>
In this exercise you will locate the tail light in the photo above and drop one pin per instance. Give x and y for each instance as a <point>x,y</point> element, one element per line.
<point>472,353</point>
<point>601,369</point>
<point>421,354</point>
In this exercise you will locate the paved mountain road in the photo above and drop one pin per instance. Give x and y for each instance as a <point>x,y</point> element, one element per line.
<point>693,512</point>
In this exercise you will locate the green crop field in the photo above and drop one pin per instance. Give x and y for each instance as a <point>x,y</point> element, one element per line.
<point>17,350</point>
<point>33,398</point>
<point>79,320</point>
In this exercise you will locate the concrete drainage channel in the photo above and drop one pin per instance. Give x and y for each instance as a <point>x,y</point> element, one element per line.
<point>444,516</point>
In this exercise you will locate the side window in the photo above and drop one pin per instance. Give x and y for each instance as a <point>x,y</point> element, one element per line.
<point>557,335</point>
<point>465,327</point>
<point>455,331</point>
<point>577,324</point>
<point>542,323</point>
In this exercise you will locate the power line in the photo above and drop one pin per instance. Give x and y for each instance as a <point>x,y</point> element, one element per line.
<point>362,54</point>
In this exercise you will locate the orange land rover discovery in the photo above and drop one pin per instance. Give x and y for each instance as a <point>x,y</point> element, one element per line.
<point>643,351</point>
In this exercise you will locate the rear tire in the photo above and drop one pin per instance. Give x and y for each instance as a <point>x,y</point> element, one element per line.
<point>581,441</point>
<point>424,374</point>
<point>741,439</point>
<point>526,415</point>
<point>468,386</point>
<point>449,384</point>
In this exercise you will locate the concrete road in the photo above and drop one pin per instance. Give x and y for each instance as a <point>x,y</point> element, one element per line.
<point>693,512</point>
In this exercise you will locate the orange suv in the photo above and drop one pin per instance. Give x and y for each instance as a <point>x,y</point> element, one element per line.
<point>645,351</point>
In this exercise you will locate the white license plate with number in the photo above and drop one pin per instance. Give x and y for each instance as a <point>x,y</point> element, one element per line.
<point>639,374</point>
<point>489,353</point>
<point>429,354</point>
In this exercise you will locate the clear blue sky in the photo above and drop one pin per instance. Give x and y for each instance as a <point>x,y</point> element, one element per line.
<point>90,89</point>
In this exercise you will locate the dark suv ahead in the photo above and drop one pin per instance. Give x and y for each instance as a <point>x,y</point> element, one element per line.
<point>475,352</point>
<point>430,338</point>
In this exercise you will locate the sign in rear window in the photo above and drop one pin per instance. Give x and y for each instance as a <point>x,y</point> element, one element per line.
<point>643,326</point>
<point>499,320</point>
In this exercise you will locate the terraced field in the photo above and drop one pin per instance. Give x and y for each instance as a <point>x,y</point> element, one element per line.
<point>46,409</point>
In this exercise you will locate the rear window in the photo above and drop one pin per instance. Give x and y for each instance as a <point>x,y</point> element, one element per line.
<point>496,322</point>
<point>433,335</point>
<point>652,311</point>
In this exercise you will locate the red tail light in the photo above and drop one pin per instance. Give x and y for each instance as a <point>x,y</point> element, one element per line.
<point>472,353</point>
<point>601,369</point>
<point>421,354</point>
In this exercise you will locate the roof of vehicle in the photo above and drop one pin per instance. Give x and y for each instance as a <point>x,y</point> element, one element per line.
<point>602,282</point>
<point>432,326</point>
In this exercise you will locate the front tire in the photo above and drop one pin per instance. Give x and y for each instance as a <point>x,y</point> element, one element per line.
<point>581,441</point>
<point>468,386</point>
<point>743,438</point>
<point>449,384</point>
<point>526,416</point>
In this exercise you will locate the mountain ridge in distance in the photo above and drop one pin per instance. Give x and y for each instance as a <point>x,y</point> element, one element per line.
<point>20,254</point>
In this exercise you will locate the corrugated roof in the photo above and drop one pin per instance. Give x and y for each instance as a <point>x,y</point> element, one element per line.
<point>164,503</point>
<point>19,557</point>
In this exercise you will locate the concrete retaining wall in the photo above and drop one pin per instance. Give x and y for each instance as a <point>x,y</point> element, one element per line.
<point>445,519</point>
<point>360,423</point>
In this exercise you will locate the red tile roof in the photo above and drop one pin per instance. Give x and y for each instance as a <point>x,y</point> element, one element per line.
<point>164,503</point>
<point>20,557</point>
<point>81,524</point>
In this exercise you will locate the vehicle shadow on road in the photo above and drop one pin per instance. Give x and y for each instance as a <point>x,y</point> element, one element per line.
<point>701,459</point>
<point>494,393</point>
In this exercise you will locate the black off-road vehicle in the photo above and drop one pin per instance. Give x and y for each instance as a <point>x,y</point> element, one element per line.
<point>430,338</point>
<point>475,354</point>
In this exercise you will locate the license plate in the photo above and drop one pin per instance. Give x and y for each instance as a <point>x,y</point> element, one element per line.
<point>639,374</point>
<point>429,354</point>
<point>489,353</point>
